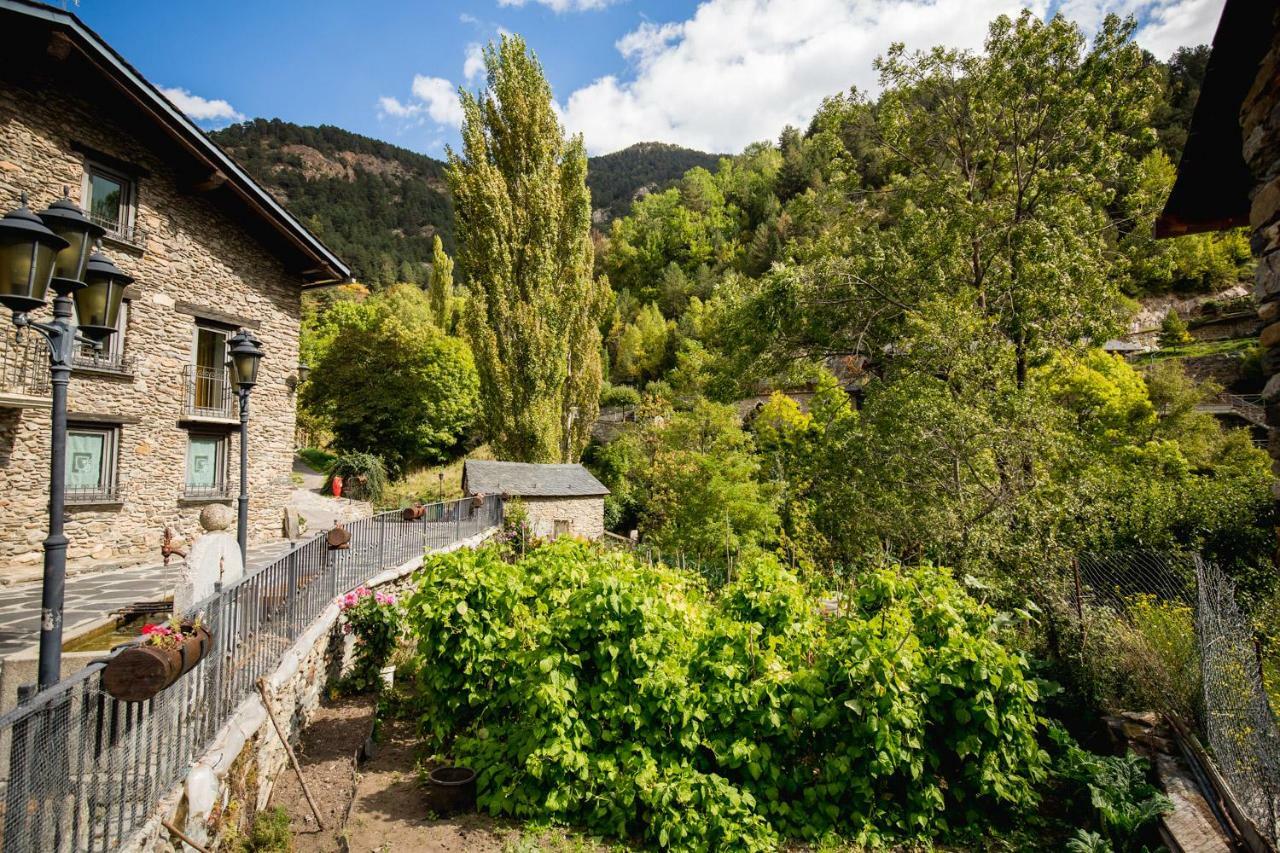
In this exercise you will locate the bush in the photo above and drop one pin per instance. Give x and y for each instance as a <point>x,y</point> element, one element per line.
<point>1173,330</point>
<point>590,688</point>
<point>363,476</point>
<point>619,395</point>
<point>376,620</point>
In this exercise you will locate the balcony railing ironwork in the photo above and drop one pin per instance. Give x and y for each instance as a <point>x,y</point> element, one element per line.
<point>24,367</point>
<point>107,362</point>
<point>214,492</point>
<point>129,232</point>
<point>207,392</point>
<point>109,493</point>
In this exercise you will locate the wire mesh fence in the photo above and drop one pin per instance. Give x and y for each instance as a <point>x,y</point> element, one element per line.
<point>1173,624</point>
<point>82,771</point>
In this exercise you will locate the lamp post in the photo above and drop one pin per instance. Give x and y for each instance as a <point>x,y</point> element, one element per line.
<point>36,252</point>
<point>246,352</point>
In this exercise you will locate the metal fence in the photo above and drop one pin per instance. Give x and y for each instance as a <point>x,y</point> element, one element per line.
<point>83,771</point>
<point>1192,653</point>
<point>24,366</point>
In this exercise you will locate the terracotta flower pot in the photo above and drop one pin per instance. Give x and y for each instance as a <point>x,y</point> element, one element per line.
<point>140,672</point>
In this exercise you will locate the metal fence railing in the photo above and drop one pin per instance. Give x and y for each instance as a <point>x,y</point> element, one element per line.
<point>207,392</point>
<point>82,771</point>
<point>24,366</point>
<point>1174,625</point>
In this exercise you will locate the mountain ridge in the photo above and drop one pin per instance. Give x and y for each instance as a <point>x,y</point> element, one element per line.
<point>379,205</point>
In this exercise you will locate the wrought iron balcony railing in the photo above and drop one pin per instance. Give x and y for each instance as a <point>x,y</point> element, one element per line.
<point>128,232</point>
<point>214,492</point>
<point>101,494</point>
<point>102,361</point>
<point>24,367</point>
<point>207,393</point>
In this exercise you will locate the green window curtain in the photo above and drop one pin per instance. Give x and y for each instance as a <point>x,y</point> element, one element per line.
<point>86,460</point>
<point>202,462</point>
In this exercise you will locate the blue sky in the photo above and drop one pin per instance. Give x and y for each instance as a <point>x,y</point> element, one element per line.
<point>711,74</point>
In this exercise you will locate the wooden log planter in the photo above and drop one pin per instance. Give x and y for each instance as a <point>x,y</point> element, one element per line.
<point>140,672</point>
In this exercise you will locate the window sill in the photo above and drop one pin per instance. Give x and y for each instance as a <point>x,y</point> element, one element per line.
<point>205,499</point>
<point>121,242</point>
<point>111,372</point>
<point>94,503</point>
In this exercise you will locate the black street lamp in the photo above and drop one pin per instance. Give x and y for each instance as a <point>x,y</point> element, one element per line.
<point>36,251</point>
<point>246,352</point>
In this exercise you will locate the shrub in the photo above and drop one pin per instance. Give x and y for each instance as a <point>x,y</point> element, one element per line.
<point>376,620</point>
<point>363,476</point>
<point>1173,330</point>
<point>619,395</point>
<point>590,688</point>
<point>1117,793</point>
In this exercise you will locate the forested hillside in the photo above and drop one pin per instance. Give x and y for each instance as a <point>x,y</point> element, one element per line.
<point>379,205</point>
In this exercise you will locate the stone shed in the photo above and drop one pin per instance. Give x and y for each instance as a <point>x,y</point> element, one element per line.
<point>561,499</point>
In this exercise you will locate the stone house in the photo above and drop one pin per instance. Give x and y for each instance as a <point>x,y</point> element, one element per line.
<point>560,499</point>
<point>1229,175</point>
<point>153,418</point>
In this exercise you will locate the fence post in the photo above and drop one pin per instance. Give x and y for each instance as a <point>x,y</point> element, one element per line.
<point>1075,571</point>
<point>382,541</point>
<point>457,521</point>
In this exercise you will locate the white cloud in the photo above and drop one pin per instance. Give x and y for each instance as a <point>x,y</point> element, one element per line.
<point>473,68</point>
<point>739,70</point>
<point>559,6</point>
<point>201,109</point>
<point>433,97</point>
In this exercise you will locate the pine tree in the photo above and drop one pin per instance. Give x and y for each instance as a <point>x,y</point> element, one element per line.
<point>441,291</point>
<point>1173,330</point>
<point>524,235</point>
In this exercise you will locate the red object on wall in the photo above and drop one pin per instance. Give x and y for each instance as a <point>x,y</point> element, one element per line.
<point>337,487</point>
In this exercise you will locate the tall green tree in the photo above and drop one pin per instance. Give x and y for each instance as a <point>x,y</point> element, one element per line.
<point>441,291</point>
<point>524,233</point>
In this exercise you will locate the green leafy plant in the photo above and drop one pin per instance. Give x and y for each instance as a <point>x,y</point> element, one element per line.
<point>269,833</point>
<point>1122,799</point>
<point>619,395</point>
<point>376,619</point>
<point>590,688</point>
<point>364,477</point>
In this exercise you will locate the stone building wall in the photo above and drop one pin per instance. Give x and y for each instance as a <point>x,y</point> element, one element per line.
<point>189,252</point>
<point>1260,126</point>
<point>585,515</point>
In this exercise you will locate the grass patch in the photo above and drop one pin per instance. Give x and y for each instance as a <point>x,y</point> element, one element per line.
<point>1197,349</point>
<point>319,460</point>
<point>424,484</point>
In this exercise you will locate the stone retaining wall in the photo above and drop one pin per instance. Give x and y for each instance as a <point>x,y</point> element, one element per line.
<point>235,776</point>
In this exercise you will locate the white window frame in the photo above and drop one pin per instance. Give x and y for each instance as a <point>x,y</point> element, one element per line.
<point>107,487</point>
<point>128,200</point>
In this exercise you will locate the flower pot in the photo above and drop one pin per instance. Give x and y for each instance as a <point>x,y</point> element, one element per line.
<point>140,672</point>
<point>452,789</point>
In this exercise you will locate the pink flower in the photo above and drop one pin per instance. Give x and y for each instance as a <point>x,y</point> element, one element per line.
<point>386,598</point>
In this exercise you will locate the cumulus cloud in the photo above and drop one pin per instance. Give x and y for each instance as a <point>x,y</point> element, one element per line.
<point>201,109</point>
<point>433,97</point>
<point>737,71</point>
<point>559,6</point>
<point>473,67</point>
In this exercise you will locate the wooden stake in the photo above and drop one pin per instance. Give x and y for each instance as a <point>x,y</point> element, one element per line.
<point>293,759</point>
<point>183,837</point>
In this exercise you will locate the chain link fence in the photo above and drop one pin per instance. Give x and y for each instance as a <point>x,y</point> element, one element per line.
<point>1167,628</point>
<point>81,771</point>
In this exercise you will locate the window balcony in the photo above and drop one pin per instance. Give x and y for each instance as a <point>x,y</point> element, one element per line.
<point>24,373</point>
<point>102,362</point>
<point>106,493</point>
<point>216,492</point>
<point>208,394</point>
<point>120,231</point>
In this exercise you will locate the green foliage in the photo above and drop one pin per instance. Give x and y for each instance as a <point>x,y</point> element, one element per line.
<point>614,179</point>
<point>389,382</point>
<point>643,347</point>
<point>618,395</point>
<point>593,689</point>
<point>377,621</point>
<point>364,477</point>
<point>524,223</point>
<point>316,459</point>
<point>269,833</point>
<point>1121,799</point>
<point>1173,330</point>
<point>441,288</point>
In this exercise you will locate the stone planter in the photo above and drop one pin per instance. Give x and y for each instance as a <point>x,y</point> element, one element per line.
<point>140,672</point>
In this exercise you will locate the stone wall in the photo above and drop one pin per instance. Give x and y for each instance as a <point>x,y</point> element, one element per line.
<point>189,255</point>
<point>1260,126</point>
<point>585,515</point>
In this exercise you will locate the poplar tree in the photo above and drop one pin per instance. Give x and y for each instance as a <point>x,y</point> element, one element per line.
<point>523,219</point>
<point>441,291</point>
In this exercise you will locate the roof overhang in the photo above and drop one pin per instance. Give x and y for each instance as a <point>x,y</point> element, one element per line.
<point>218,171</point>
<point>1212,189</point>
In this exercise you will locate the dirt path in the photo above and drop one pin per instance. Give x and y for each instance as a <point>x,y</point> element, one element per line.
<point>328,746</point>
